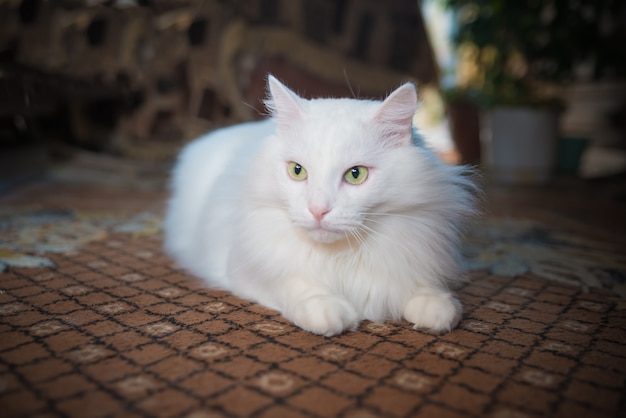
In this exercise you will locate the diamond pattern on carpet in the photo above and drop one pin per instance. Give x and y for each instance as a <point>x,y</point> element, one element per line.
<point>114,328</point>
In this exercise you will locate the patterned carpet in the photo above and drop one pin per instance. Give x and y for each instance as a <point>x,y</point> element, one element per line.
<point>96,321</point>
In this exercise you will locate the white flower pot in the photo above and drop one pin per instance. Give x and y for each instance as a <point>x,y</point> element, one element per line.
<point>519,144</point>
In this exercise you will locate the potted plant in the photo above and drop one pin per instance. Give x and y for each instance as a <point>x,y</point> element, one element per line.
<point>518,55</point>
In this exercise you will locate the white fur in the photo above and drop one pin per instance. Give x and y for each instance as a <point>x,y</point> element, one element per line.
<point>385,249</point>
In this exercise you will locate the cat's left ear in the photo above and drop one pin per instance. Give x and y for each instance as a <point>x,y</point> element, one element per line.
<point>394,118</point>
<point>284,104</point>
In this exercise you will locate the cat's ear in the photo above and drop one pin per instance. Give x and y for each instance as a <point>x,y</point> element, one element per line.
<point>394,118</point>
<point>283,104</point>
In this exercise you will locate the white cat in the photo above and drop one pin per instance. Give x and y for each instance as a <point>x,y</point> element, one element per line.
<point>331,211</point>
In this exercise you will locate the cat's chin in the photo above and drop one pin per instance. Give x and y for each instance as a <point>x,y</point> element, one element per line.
<point>325,236</point>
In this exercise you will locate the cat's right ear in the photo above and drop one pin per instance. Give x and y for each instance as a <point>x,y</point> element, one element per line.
<point>395,116</point>
<point>283,104</point>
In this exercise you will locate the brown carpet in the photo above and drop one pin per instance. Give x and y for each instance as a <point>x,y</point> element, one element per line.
<point>110,327</point>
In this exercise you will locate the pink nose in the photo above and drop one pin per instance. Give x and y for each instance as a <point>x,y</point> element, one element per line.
<point>319,213</point>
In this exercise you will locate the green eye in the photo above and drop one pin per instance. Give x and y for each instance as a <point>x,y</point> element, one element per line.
<point>356,175</point>
<point>296,171</point>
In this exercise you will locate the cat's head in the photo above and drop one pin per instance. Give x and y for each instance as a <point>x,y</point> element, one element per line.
<point>340,162</point>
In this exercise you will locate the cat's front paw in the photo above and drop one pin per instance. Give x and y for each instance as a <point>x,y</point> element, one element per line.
<point>325,315</point>
<point>438,311</point>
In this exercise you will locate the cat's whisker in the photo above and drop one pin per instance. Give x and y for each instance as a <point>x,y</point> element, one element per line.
<point>390,214</point>
<point>345,75</point>
<point>357,236</point>
<point>347,234</point>
<point>260,113</point>
<point>363,242</point>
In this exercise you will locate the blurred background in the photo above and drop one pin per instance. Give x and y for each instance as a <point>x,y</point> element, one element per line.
<point>107,92</point>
